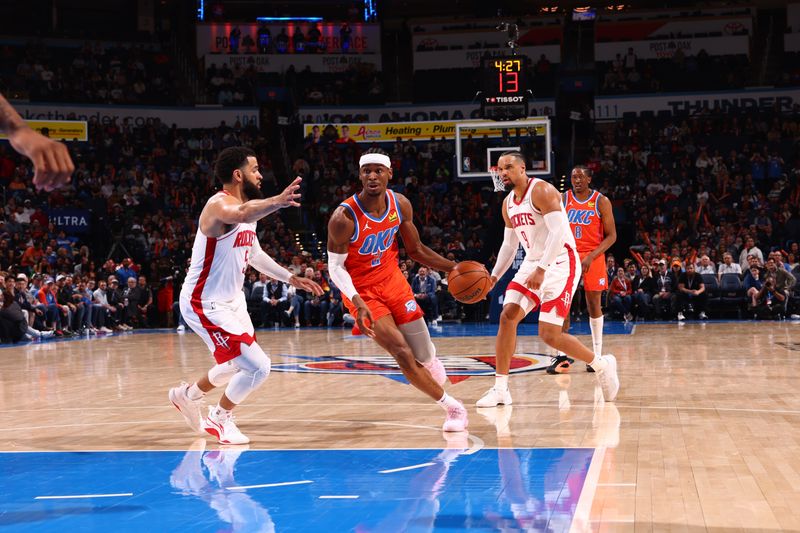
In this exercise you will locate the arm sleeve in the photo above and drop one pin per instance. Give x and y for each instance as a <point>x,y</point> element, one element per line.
<point>341,278</point>
<point>266,265</point>
<point>557,224</point>
<point>505,256</point>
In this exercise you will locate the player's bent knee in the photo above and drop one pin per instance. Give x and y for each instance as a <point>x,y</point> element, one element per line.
<point>510,316</point>
<point>222,373</point>
<point>549,336</point>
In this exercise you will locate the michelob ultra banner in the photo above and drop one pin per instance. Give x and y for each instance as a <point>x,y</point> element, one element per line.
<point>382,132</point>
<point>60,130</point>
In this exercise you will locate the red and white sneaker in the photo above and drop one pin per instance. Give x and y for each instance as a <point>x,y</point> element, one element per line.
<point>190,409</point>
<point>436,368</point>
<point>456,418</point>
<point>223,427</point>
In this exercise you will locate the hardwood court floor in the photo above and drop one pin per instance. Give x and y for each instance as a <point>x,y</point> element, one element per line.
<point>705,434</point>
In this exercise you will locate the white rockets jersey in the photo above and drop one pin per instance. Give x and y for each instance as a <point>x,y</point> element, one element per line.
<point>528,224</point>
<point>216,272</point>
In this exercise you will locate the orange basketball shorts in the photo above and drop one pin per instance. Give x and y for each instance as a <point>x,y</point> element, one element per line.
<point>390,296</point>
<point>594,279</point>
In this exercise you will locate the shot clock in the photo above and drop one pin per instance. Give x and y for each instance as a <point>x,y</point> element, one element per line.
<point>505,87</point>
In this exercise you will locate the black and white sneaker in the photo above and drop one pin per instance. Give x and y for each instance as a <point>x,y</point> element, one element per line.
<point>560,364</point>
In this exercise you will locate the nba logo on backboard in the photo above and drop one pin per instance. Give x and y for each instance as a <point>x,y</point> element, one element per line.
<point>220,339</point>
<point>411,306</point>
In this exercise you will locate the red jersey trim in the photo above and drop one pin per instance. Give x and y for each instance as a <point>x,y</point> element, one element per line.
<point>525,194</point>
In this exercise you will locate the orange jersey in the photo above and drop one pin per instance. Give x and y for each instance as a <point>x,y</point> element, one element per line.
<point>584,220</point>
<point>372,255</point>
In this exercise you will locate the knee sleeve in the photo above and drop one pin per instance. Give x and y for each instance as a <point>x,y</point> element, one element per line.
<point>253,368</point>
<point>419,340</point>
<point>221,374</point>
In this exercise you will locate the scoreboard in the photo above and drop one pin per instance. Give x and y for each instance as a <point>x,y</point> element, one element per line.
<point>504,87</point>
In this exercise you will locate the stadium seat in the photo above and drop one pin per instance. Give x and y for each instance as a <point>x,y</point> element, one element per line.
<point>712,289</point>
<point>731,292</point>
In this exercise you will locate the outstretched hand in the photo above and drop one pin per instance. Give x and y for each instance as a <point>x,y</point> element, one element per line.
<point>306,285</point>
<point>289,197</point>
<point>52,164</point>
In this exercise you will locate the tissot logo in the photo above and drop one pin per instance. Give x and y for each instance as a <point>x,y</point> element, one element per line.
<point>505,99</point>
<point>459,367</point>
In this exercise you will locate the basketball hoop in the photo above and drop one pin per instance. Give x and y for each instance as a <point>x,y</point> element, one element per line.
<point>499,186</point>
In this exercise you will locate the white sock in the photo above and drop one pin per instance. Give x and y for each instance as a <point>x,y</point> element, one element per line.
<point>220,413</point>
<point>500,382</point>
<point>447,401</point>
<point>596,325</point>
<point>194,392</point>
<point>599,363</point>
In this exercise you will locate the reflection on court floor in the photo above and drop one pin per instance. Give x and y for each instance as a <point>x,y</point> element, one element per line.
<point>236,489</point>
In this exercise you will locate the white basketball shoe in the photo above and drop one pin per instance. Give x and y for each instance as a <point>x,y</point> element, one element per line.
<point>456,419</point>
<point>609,381</point>
<point>494,397</point>
<point>222,426</point>
<point>190,409</point>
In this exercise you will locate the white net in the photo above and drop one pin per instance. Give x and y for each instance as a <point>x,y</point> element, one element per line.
<point>499,186</point>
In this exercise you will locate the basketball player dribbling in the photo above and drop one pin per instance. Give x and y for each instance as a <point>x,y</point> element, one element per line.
<point>212,301</point>
<point>547,278</point>
<point>362,261</point>
<point>591,220</point>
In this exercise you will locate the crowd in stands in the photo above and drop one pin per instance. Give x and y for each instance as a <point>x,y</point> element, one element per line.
<point>714,195</point>
<point>701,72</point>
<point>711,202</point>
<point>94,72</point>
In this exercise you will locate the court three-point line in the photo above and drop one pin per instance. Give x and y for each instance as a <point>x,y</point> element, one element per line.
<point>77,496</point>
<point>266,485</point>
<point>412,467</point>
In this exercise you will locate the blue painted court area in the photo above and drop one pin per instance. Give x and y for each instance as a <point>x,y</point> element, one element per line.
<point>299,490</point>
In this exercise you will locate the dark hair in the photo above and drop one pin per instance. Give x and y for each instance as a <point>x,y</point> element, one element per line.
<point>375,150</point>
<point>514,153</point>
<point>586,170</point>
<point>230,159</point>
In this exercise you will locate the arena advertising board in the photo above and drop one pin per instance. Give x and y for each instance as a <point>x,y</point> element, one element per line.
<point>61,130</point>
<point>613,107</point>
<point>215,37</point>
<point>71,220</point>
<point>666,48</point>
<point>606,107</point>
<point>383,132</point>
<point>279,63</point>
<point>183,117</point>
<point>639,30</point>
<point>409,113</point>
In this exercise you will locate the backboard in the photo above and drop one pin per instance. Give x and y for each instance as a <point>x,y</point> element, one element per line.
<point>479,145</point>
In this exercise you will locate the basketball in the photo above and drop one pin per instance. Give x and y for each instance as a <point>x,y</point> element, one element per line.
<point>469,282</point>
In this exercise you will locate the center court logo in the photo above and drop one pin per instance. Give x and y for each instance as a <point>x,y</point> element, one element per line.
<point>459,367</point>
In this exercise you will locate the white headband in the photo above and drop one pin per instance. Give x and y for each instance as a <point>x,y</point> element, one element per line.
<point>378,159</point>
